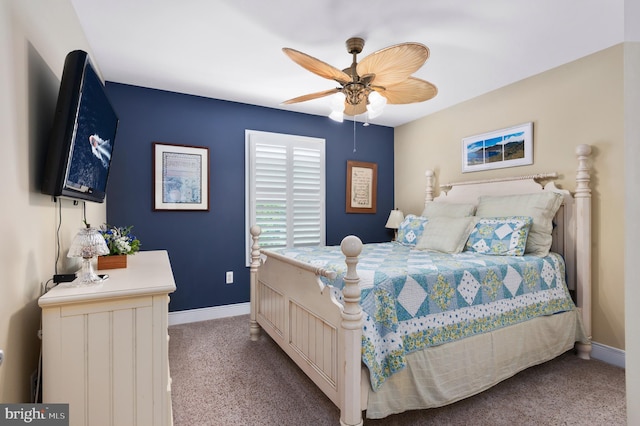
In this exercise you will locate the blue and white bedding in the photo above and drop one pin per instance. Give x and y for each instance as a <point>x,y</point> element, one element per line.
<point>413,299</point>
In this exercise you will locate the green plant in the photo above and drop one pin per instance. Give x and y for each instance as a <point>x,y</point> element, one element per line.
<point>120,240</point>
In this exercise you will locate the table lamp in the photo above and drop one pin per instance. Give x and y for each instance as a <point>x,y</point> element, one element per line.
<point>395,219</point>
<point>87,244</point>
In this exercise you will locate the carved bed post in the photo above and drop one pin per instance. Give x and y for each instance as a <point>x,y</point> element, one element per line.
<point>428,196</point>
<point>351,324</point>
<point>254,328</point>
<point>583,244</point>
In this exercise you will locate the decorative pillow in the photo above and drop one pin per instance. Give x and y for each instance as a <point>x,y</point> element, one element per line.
<point>501,236</point>
<point>540,206</point>
<point>446,234</point>
<point>439,208</point>
<point>410,229</point>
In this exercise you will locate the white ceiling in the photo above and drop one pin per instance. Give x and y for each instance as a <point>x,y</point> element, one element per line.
<point>231,49</point>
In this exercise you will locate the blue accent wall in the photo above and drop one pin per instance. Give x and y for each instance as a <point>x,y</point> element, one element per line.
<point>202,246</point>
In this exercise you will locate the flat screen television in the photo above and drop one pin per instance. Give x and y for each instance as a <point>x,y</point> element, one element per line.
<point>82,135</point>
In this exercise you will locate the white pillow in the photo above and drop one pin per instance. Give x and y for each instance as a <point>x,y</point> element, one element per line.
<point>540,206</point>
<point>440,208</point>
<point>446,234</point>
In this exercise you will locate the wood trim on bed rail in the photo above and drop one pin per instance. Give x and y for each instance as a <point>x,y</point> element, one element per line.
<point>302,265</point>
<point>536,177</point>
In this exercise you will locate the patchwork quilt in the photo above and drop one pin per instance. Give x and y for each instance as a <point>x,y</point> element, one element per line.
<point>413,299</point>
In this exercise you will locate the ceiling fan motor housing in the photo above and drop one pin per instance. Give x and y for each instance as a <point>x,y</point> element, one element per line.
<point>355,93</point>
<point>355,45</point>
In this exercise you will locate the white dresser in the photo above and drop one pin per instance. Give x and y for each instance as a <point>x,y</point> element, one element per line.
<point>105,348</point>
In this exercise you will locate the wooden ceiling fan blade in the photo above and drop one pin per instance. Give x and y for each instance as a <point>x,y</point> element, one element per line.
<point>311,96</point>
<point>317,66</point>
<point>409,91</point>
<point>355,109</point>
<point>367,78</point>
<point>394,64</point>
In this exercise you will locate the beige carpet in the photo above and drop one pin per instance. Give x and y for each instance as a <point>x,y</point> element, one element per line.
<point>220,377</point>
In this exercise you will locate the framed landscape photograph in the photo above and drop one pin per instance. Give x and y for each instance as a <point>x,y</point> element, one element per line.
<point>180,177</point>
<point>362,187</point>
<point>508,147</point>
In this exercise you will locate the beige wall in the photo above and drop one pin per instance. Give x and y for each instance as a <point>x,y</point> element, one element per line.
<point>35,36</point>
<point>632,228</point>
<point>580,102</point>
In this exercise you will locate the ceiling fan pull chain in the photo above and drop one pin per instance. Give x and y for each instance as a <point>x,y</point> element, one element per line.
<point>354,135</point>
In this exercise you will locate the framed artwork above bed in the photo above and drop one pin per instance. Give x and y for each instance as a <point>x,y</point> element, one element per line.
<point>502,148</point>
<point>362,187</point>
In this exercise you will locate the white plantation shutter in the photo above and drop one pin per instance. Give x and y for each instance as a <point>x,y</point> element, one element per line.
<point>308,196</point>
<point>270,194</point>
<point>286,189</point>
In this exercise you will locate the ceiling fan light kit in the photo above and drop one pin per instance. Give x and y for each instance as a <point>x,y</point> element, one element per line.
<point>375,105</point>
<point>366,87</point>
<point>337,107</point>
<point>337,116</point>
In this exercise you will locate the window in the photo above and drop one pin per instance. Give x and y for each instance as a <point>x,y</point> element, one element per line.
<point>285,177</point>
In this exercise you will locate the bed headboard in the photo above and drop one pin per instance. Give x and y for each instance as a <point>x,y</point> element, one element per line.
<point>572,230</point>
<point>469,192</point>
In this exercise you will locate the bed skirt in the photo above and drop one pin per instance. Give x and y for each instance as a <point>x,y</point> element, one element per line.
<point>448,373</point>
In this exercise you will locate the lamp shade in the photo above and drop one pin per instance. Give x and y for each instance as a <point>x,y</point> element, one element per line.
<point>337,116</point>
<point>88,243</point>
<point>336,103</point>
<point>376,104</point>
<point>395,219</point>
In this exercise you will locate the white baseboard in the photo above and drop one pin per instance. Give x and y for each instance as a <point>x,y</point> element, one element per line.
<point>608,354</point>
<point>205,314</point>
<point>599,351</point>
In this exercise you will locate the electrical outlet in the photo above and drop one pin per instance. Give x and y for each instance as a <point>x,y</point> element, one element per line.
<point>229,277</point>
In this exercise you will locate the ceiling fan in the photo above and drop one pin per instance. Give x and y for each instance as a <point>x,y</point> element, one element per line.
<point>386,72</point>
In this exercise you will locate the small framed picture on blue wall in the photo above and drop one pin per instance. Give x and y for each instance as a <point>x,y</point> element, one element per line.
<point>362,187</point>
<point>180,177</point>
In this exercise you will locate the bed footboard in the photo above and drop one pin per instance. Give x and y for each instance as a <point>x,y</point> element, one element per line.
<point>299,312</point>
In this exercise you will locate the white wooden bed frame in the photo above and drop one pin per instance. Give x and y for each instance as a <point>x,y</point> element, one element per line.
<point>323,337</point>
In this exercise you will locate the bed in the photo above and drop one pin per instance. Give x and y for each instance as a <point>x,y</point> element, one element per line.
<point>354,328</point>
